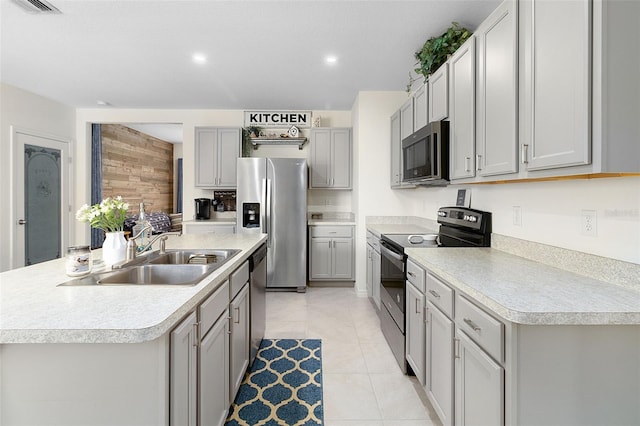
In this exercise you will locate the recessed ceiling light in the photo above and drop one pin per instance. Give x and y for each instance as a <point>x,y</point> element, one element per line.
<point>199,58</point>
<point>103,103</point>
<point>331,59</point>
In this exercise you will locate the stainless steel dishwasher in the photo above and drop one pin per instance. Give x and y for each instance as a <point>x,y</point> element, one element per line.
<point>257,290</point>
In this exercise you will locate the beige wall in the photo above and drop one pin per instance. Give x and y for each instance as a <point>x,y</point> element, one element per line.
<point>29,112</point>
<point>550,210</point>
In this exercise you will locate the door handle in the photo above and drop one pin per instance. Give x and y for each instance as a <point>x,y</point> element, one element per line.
<point>22,222</point>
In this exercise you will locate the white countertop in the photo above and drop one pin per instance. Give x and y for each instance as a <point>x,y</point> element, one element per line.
<point>221,221</point>
<point>331,222</point>
<point>331,218</point>
<point>527,292</point>
<point>34,310</point>
<point>399,228</point>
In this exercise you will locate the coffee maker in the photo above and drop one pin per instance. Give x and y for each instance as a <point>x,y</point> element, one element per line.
<point>203,208</point>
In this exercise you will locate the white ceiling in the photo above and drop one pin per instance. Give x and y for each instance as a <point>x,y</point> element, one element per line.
<point>168,132</point>
<point>261,54</point>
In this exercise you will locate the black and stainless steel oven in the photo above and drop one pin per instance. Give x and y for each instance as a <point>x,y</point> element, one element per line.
<point>459,227</point>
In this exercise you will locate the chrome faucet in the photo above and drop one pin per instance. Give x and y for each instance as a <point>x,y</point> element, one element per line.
<point>133,249</point>
<point>162,237</point>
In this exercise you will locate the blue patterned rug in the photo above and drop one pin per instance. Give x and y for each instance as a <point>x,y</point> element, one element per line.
<point>283,387</point>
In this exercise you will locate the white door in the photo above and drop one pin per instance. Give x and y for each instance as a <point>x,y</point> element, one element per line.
<point>41,205</point>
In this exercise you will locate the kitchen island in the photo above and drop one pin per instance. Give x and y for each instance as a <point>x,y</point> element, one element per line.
<point>532,344</point>
<point>96,355</point>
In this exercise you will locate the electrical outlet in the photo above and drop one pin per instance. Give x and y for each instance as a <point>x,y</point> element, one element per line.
<point>589,223</point>
<point>517,215</point>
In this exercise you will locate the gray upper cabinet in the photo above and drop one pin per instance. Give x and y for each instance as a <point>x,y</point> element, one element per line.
<point>331,158</point>
<point>403,124</point>
<point>396,151</point>
<point>216,152</point>
<point>421,107</point>
<point>555,72</point>
<point>406,119</point>
<point>497,92</point>
<point>552,98</point>
<point>578,97</point>
<point>439,94</point>
<point>462,110</point>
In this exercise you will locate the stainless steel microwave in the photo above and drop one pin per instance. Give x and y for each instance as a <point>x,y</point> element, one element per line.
<point>425,155</point>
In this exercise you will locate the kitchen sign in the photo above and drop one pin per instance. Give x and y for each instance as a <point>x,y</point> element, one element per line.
<point>284,119</point>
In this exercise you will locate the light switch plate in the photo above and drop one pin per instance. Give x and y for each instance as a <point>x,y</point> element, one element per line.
<point>464,198</point>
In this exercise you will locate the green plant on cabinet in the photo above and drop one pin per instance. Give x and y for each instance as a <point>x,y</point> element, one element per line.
<point>436,50</point>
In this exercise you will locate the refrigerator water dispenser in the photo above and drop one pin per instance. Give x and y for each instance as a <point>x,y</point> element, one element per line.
<point>251,215</point>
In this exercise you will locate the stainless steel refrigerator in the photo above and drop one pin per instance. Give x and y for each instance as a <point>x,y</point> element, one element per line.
<point>271,198</point>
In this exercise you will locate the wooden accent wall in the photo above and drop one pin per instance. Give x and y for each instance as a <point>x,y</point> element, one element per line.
<point>138,167</point>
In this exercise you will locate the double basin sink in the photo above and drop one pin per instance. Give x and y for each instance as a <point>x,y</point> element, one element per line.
<point>172,267</point>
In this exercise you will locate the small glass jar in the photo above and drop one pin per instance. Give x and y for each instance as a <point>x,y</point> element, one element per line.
<point>78,261</point>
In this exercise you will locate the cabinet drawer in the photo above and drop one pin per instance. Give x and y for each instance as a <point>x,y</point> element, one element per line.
<point>373,241</point>
<point>440,295</point>
<point>485,330</point>
<point>238,279</point>
<point>213,307</point>
<point>331,231</point>
<point>415,275</point>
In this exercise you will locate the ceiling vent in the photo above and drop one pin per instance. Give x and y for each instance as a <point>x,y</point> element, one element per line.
<point>37,6</point>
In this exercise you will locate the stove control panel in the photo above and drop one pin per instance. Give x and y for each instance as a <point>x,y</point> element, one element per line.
<point>463,217</point>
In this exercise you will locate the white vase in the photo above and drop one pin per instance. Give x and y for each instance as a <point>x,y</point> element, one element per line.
<point>114,248</point>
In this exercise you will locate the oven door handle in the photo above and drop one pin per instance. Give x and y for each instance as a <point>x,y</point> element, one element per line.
<point>391,254</point>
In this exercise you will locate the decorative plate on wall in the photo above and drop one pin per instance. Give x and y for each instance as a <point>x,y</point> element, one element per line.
<point>293,132</point>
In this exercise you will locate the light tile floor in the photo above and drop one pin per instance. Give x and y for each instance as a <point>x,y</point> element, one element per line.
<point>363,385</point>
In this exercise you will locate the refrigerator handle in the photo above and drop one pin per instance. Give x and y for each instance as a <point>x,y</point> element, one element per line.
<point>268,213</point>
<point>263,206</point>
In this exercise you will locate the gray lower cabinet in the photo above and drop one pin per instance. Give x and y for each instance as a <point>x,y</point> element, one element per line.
<point>209,354</point>
<point>240,340</point>
<point>373,275</point>
<point>373,268</point>
<point>183,403</point>
<point>331,253</point>
<point>479,385</point>
<point>214,397</point>
<point>415,334</point>
<point>439,363</point>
